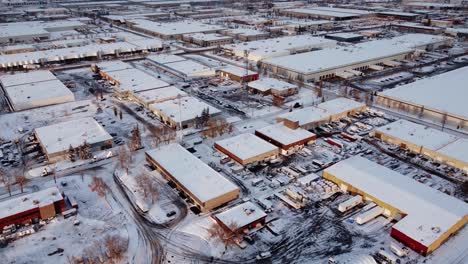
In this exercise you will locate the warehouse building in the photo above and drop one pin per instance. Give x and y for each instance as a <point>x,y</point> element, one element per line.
<point>267,86</point>
<point>247,149</point>
<point>400,15</point>
<point>323,13</point>
<point>426,217</point>
<point>241,217</point>
<point>307,26</point>
<point>263,49</point>
<point>56,139</point>
<point>344,61</point>
<point>92,51</point>
<point>172,30</point>
<point>238,74</point>
<point>27,208</point>
<point>207,40</point>
<point>288,136</point>
<point>246,34</point>
<point>147,98</point>
<point>34,89</point>
<point>437,145</point>
<point>345,37</point>
<point>311,117</point>
<point>34,30</point>
<point>205,188</point>
<point>440,98</point>
<point>182,112</point>
<point>182,67</point>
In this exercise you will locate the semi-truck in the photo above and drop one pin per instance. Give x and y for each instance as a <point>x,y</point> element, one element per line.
<point>350,203</point>
<point>369,215</point>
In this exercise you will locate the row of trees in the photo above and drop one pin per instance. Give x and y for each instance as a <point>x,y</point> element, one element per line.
<point>9,178</point>
<point>81,152</point>
<point>111,247</point>
<point>216,128</point>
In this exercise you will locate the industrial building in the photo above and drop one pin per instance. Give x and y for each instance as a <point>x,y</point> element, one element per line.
<point>182,67</point>
<point>27,208</point>
<point>241,217</point>
<point>56,139</point>
<point>264,49</point>
<point>440,98</point>
<point>267,86</point>
<point>247,148</point>
<point>172,30</point>
<point>246,34</point>
<point>426,217</point>
<point>34,30</point>
<point>310,117</point>
<point>349,61</point>
<point>238,74</point>
<point>146,98</point>
<point>287,136</point>
<point>182,112</point>
<point>34,89</point>
<point>322,13</point>
<point>437,145</point>
<point>207,40</point>
<point>206,188</point>
<point>92,51</point>
<point>345,37</point>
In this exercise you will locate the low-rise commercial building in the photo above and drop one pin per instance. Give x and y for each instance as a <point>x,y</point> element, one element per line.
<point>267,86</point>
<point>310,117</point>
<point>205,188</point>
<point>27,208</point>
<point>56,139</point>
<point>247,148</point>
<point>289,137</point>
<point>238,74</point>
<point>172,30</point>
<point>34,89</point>
<point>246,34</point>
<point>241,217</point>
<point>426,217</point>
<point>437,145</point>
<point>207,40</point>
<point>182,67</point>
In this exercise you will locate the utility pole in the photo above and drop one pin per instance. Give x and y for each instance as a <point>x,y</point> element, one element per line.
<point>246,65</point>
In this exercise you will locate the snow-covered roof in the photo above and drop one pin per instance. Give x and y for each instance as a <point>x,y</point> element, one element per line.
<point>159,95</point>
<point>308,178</point>
<point>417,134</point>
<point>245,32</point>
<point>396,13</point>
<point>261,49</point>
<point>175,28</point>
<point>29,201</point>
<point>429,212</point>
<point>190,107</point>
<point>267,84</point>
<point>445,92</point>
<point>343,10</point>
<point>237,71</point>
<point>246,146</point>
<point>345,35</point>
<point>191,68</point>
<point>197,177</point>
<point>136,80</point>
<point>322,111</point>
<point>328,59</point>
<point>285,135</point>
<point>58,137</point>
<point>22,78</point>
<point>208,37</point>
<point>457,150</point>
<point>165,58</point>
<point>241,215</point>
<point>110,66</point>
<point>51,55</point>
<point>323,13</point>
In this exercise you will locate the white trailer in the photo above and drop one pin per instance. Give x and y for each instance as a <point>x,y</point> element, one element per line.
<point>289,172</point>
<point>369,215</point>
<point>350,203</point>
<point>398,250</point>
<point>369,206</point>
<point>387,256</point>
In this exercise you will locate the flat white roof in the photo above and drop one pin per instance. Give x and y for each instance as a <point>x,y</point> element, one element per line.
<point>190,108</point>
<point>322,111</point>
<point>285,135</point>
<point>238,71</point>
<point>345,35</point>
<point>457,150</point>
<point>165,58</point>
<point>175,28</point>
<point>328,59</point>
<point>245,31</point>
<point>136,80</point>
<point>29,201</point>
<point>344,10</point>
<point>427,209</point>
<point>396,13</point>
<point>316,12</point>
<point>29,77</point>
<point>246,146</point>
<point>161,94</point>
<point>241,215</point>
<point>266,84</point>
<point>58,137</point>
<point>200,179</point>
<point>208,37</point>
<point>191,68</point>
<point>417,134</point>
<point>445,92</point>
<point>269,48</point>
<point>110,66</point>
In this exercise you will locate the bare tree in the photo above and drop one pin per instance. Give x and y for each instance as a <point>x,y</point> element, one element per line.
<point>6,180</point>
<point>228,236</point>
<point>99,186</point>
<point>123,158</point>
<point>135,141</point>
<point>149,186</point>
<point>21,180</point>
<point>116,246</point>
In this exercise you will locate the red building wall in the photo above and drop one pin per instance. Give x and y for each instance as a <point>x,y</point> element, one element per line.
<point>409,242</point>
